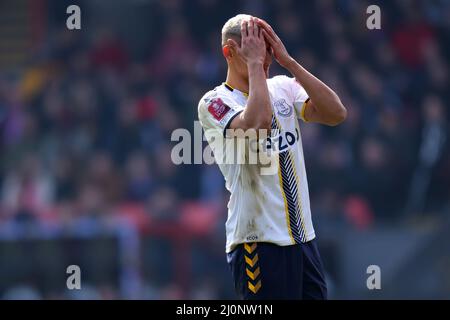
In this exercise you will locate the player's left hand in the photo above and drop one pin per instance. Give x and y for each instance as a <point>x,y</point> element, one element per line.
<point>279,50</point>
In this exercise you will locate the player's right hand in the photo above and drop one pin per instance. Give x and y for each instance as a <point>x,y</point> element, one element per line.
<point>253,45</point>
<point>279,50</point>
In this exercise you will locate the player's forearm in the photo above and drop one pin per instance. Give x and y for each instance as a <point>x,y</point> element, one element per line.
<point>258,113</point>
<point>326,101</point>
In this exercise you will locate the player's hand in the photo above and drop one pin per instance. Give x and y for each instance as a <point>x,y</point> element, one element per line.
<point>279,50</point>
<point>253,45</point>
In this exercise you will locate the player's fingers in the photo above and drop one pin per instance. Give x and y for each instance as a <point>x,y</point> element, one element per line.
<point>251,28</point>
<point>269,39</point>
<point>256,27</point>
<point>244,31</point>
<point>267,27</point>
<point>263,23</point>
<point>269,33</point>
<point>273,36</point>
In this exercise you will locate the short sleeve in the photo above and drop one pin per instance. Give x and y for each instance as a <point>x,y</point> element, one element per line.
<point>216,111</point>
<point>298,94</point>
<point>301,99</point>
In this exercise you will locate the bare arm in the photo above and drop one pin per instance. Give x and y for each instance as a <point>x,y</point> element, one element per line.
<point>258,112</point>
<point>324,105</point>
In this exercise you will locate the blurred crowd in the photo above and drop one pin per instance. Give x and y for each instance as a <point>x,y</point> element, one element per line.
<point>85,127</point>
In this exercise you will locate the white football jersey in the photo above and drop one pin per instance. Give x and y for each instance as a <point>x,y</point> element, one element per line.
<point>262,207</point>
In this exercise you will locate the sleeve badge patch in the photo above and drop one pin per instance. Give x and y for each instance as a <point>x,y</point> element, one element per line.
<point>218,108</point>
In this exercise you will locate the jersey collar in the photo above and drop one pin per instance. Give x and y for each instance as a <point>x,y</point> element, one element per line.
<point>233,89</point>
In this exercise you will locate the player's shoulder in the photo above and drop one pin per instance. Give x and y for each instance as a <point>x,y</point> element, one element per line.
<point>280,80</point>
<point>281,85</point>
<point>216,93</point>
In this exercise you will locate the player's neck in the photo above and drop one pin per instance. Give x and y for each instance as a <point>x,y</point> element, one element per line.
<point>237,82</point>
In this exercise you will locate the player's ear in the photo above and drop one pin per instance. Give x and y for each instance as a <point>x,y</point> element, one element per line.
<point>231,48</point>
<point>226,51</point>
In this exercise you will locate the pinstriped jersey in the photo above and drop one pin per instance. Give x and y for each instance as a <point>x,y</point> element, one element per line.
<point>263,207</point>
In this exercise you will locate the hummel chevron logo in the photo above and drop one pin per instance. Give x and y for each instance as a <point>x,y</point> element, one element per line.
<point>251,262</point>
<point>249,248</point>
<point>254,288</point>
<point>253,275</point>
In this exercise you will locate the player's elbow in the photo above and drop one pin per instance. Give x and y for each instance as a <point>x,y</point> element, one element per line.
<point>339,114</point>
<point>265,123</point>
<point>262,122</point>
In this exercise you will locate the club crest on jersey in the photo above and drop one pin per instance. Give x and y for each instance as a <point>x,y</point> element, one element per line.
<point>283,108</point>
<point>218,108</point>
